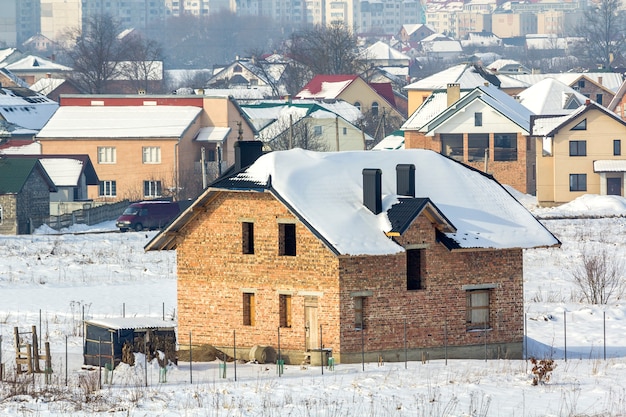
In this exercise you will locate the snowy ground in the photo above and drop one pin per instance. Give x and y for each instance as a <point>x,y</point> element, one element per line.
<point>50,280</point>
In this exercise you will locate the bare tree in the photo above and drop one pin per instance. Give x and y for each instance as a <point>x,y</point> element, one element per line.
<point>599,275</point>
<point>300,134</point>
<point>328,49</point>
<point>379,124</point>
<point>95,53</point>
<point>602,28</point>
<point>142,64</point>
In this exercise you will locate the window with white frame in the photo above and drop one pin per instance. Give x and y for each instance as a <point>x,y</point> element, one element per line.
<point>152,188</point>
<point>107,155</point>
<point>107,188</point>
<point>151,155</point>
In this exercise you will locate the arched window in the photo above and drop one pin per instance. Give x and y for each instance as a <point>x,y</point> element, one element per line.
<point>375,108</point>
<point>357,105</point>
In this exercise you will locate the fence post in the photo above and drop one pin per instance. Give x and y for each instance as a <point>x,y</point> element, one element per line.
<point>235,355</point>
<point>362,348</point>
<point>603,331</point>
<point>405,351</point>
<point>565,334</point>
<point>190,371</point>
<point>321,351</point>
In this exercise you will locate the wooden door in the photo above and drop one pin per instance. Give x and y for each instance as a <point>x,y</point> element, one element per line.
<point>311,325</point>
<point>614,186</point>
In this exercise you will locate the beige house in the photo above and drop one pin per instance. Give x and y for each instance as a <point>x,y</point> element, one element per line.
<point>148,146</point>
<point>579,154</point>
<point>509,25</point>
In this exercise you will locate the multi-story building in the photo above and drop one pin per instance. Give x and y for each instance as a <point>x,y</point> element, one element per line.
<point>509,25</point>
<point>387,16</point>
<point>19,20</point>
<point>136,14</point>
<point>468,22</point>
<point>443,21</point>
<point>59,15</point>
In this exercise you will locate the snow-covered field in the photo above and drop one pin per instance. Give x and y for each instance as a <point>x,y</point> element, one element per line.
<point>50,280</point>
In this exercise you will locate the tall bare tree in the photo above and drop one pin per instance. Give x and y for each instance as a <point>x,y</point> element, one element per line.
<point>142,64</point>
<point>328,49</point>
<point>95,52</point>
<point>603,29</point>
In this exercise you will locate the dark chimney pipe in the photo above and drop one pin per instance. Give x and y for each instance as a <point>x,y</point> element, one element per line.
<point>405,179</point>
<point>372,189</point>
<point>246,153</point>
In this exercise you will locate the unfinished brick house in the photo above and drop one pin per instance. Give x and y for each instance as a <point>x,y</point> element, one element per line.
<point>367,254</point>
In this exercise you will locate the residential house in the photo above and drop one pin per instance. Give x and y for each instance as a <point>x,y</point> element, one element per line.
<point>437,47</point>
<point>54,87</point>
<point>579,153</point>
<point>483,127</point>
<point>25,189</point>
<point>618,104</point>
<point>24,112</point>
<point>468,76</point>
<point>71,175</point>
<point>511,25</point>
<point>142,152</point>
<point>600,87</point>
<point>31,68</point>
<point>413,33</point>
<point>366,255</point>
<point>376,99</point>
<point>381,54</point>
<point>551,97</point>
<point>508,66</point>
<point>154,147</point>
<point>249,73</point>
<point>308,124</point>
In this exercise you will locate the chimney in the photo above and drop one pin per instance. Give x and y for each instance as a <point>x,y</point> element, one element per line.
<point>587,102</point>
<point>246,152</point>
<point>600,80</point>
<point>405,179</point>
<point>453,92</point>
<point>372,190</point>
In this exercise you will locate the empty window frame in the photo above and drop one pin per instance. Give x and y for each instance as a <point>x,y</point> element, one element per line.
<point>452,145</point>
<point>375,108</point>
<point>478,119</point>
<point>359,318</point>
<point>477,145</point>
<point>284,310</point>
<point>247,238</point>
<point>107,188</point>
<point>152,188</point>
<point>249,307</point>
<point>505,147</point>
<point>317,130</point>
<point>599,98</point>
<point>478,309</point>
<point>151,155</point>
<point>617,147</point>
<point>577,148</point>
<point>107,155</point>
<point>414,269</point>
<point>287,239</point>
<point>578,182</point>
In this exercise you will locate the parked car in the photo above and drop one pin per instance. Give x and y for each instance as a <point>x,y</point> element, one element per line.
<point>147,215</point>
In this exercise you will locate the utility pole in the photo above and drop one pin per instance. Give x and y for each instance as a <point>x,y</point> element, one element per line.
<point>337,131</point>
<point>203,162</point>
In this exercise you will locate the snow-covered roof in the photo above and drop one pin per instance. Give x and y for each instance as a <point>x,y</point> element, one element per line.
<point>609,80</point>
<point>551,97</point>
<point>26,108</point>
<point>326,86</point>
<point>436,110</point>
<point>36,63</point>
<point>468,75</point>
<point>549,126</point>
<point>382,51</point>
<point>609,165</point>
<point>46,85</point>
<point>120,122</point>
<point>137,323</point>
<point>325,191</point>
<point>212,134</point>
<point>391,142</point>
<point>64,172</point>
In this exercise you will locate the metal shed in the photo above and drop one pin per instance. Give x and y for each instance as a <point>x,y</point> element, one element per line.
<point>105,339</point>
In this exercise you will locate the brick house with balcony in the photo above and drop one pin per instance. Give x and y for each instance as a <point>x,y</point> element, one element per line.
<point>351,252</point>
<point>483,127</point>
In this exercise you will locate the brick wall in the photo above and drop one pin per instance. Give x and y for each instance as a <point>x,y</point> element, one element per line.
<point>519,174</point>
<point>213,274</point>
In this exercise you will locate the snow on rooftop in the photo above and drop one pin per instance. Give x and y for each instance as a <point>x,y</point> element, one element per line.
<point>120,121</point>
<point>326,190</point>
<point>64,172</point>
<point>122,323</point>
<point>550,97</point>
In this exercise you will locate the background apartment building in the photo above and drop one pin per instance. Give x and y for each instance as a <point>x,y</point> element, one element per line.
<point>19,20</point>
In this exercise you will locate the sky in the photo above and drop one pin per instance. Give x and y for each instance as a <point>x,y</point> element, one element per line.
<point>51,278</point>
